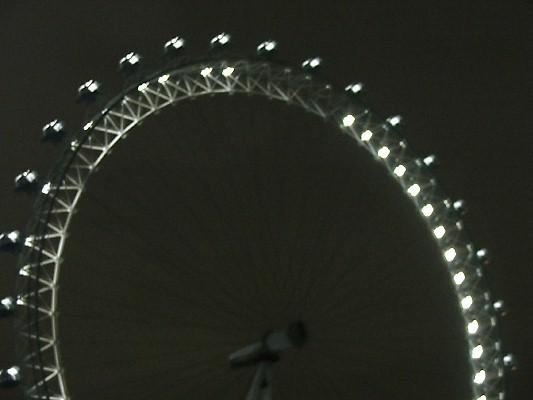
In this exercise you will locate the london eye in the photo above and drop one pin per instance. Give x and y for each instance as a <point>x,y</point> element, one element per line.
<point>272,263</point>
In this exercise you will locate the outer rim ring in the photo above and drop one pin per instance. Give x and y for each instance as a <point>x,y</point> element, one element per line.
<point>40,260</point>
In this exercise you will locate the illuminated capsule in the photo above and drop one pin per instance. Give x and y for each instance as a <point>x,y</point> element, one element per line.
<point>88,91</point>
<point>129,63</point>
<point>10,241</point>
<point>267,48</point>
<point>220,41</point>
<point>509,360</point>
<point>312,64</point>
<point>26,181</point>
<point>7,306</point>
<point>482,256</point>
<point>355,88</point>
<point>395,120</point>
<point>10,377</point>
<point>53,131</point>
<point>174,46</point>
<point>431,161</point>
<point>459,206</point>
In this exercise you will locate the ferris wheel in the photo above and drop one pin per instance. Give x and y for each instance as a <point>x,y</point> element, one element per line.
<point>37,304</point>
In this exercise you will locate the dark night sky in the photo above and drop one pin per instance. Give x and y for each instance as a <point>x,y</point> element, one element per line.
<point>460,74</point>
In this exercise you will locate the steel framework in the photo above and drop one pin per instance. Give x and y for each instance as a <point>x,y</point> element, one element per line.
<point>41,258</point>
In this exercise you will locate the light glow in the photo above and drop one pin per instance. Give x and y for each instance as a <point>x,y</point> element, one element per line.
<point>479,377</point>
<point>400,170</point>
<point>473,326</point>
<point>13,236</point>
<point>142,87</point>
<point>176,43</point>
<point>222,39</point>
<point>395,120</point>
<point>414,190</point>
<point>427,210</point>
<point>13,371</point>
<point>354,88</point>
<point>348,120</point>
<point>459,278</point>
<point>366,135</point>
<point>477,352</point>
<point>163,78</point>
<point>439,232</point>
<point>227,71</point>
<point>312,62</point>
<point>206,71</point>
<point>383,152</point>
<point>466,302</point>
<point>450,254</point>
<point>131,58</point>
<point>7,302</point>
<point>46,188</point>
<point>88,126</point>
<point>28,242</point>
<point>269,45</point>
<point>482,397</point>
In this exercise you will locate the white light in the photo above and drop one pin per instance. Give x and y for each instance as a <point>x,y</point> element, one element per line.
<point>395,120</point>
<point>413,190</point>
<point>206,71</point>
<point>46,188</point>
<point>400,170</point>
<point>29,175</point>
<point>20,301</point>
<point>222,39</point>
<point>7,302</point>
<point>477,352</point>
<point>176,43</point>
<point>24,271</point>
<point>142,87</point>
<point>439,232</point>
<point>314,62</point>
<point>28,242</point>
<point>132,58</point>
<point>228,71</point>
<point>427,210</point>
<point>311,63</point>
<point>163,78</point>
<point>271,45</point>
<point>13,371</point>
<point>473,326</point>
<point>479,377</point>
<point>366,135</point>
<point>354,87</point>
<point>466,302</point>
<point>383,152</point>
<point>348,120</point>
<point>268,45</point>
<point>88,126</point>
<point>13,236</point>
<point>92,86</point>
<point>459,278</point>
<point>450,254</point>
<point>482,397</point>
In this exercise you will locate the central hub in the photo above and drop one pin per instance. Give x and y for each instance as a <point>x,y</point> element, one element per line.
<point>270,347</point>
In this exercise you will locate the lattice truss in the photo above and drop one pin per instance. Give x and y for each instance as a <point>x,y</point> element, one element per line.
<point>41,258</point>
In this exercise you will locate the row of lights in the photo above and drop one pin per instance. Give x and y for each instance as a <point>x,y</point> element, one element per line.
<point>132,61</point>
<point>55,130</point>
<point>439,232</point>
